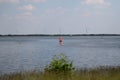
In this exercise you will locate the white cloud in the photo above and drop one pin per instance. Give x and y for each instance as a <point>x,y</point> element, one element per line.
<point>86,14</point>
<point>27,8</point>
<point>9,1</point>
<point>27,14</point>
<point>56,11</point>
<point>36,1</point>
<point>96,2</point>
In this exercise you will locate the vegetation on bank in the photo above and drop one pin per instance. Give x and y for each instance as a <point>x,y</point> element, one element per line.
<point>102,73</point>
<point>61,68</point>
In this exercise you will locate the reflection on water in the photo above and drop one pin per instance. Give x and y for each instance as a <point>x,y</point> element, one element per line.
<point>26,53</point>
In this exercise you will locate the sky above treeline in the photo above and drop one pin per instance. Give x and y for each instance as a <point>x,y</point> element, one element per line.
<point>59,16</point>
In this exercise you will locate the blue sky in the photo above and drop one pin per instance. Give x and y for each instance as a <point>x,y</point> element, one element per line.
<point>59,16</point>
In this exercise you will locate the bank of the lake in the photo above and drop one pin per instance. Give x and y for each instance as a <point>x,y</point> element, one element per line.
<point>101,73</point>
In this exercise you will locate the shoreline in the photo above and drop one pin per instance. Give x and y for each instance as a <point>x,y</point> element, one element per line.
<point>60,35</point>
<point>100,73</point>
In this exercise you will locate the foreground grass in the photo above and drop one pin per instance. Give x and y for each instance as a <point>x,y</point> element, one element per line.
<point>101,73</point>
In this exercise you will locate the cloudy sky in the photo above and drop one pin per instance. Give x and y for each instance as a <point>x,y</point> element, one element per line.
<point>59,16</point>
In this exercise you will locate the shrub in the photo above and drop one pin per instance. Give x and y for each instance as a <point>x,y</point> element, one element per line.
<point>60,63</point>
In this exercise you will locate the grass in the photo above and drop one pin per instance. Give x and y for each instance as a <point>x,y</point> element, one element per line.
<point>101,73</point>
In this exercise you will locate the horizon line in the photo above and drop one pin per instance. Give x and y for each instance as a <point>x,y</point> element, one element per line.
<point>59,34</point>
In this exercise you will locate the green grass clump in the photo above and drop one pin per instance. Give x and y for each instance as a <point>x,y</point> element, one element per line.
<point>60,63</point>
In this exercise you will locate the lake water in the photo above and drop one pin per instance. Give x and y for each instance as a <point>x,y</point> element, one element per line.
<point>21,53</point>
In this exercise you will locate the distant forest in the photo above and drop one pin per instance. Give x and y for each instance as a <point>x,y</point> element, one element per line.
<point>62,35</point>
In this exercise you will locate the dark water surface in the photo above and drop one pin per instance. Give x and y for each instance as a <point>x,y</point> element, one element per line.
<point>20,53</point>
